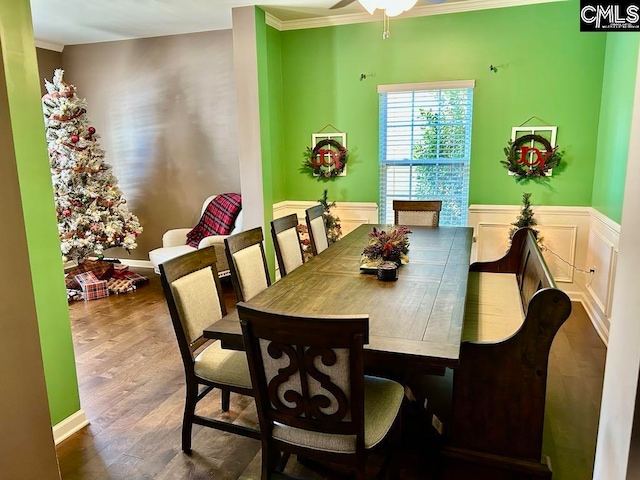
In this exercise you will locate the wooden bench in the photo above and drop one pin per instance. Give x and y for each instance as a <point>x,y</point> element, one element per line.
<point>513,312</point>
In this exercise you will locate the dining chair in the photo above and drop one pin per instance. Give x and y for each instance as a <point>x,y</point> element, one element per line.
<point>312,397</point>
<point>247,263</point>
<point>425,213</point>
<point>286,241</point>
<point>192,290</point>
<point>317,229</point>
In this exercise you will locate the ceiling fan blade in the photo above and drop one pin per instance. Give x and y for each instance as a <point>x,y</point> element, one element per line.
<point>342,3</point>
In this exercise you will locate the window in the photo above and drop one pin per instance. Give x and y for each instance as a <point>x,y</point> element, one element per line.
<point>425,146</point>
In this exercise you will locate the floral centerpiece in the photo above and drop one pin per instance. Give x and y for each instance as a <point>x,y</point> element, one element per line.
<point>384,246</point>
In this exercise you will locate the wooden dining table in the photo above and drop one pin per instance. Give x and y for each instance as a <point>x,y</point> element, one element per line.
<point>414,322</point>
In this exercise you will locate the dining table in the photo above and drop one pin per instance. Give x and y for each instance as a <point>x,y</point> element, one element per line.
<point>415,322</point>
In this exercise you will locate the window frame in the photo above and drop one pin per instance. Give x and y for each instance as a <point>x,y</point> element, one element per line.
<point>384,197</point>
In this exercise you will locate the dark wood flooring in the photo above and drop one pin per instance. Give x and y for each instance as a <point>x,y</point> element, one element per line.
<point>132,391</point>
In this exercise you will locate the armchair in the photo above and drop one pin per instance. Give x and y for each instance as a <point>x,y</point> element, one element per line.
<point>174,244</point>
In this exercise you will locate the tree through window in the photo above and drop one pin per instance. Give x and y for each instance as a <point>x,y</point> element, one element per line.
<point>425,146</point>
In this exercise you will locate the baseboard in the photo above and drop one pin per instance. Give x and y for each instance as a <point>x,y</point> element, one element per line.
<point>464,464</point>
<point>596,320</point>
<point>69,426</point>
<point>127,261</point>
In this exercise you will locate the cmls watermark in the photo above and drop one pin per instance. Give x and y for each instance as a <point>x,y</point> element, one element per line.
<point>600,17</point>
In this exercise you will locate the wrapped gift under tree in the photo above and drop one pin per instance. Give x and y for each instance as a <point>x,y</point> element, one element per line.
<point>92,287</point>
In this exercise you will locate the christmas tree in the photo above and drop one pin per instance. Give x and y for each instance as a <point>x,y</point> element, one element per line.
<point>91,211</point>
<point>525,219</point>
<point>331,221</point>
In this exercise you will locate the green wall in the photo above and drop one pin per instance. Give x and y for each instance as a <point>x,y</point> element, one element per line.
<point>268,42</point>
<point>614,132</point>
<point>546,67</point>
<point>19,56</point>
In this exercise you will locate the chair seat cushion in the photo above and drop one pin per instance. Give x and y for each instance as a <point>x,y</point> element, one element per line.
<point>220,365</point>
<point>493,310</point>
<point>382,401</point>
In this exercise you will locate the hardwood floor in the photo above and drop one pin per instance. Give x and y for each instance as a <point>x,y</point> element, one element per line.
<point>132,390</point>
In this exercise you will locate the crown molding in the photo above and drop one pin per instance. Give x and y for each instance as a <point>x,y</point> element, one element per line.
<point>49,46</point>
<point>422,11</point>
<point>273,21</point>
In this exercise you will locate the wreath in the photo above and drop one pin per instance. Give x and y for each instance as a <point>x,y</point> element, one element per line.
<point>327,159</point>
<point>523,168</point>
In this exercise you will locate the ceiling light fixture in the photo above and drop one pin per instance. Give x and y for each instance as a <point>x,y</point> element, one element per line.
<point>390,8</point>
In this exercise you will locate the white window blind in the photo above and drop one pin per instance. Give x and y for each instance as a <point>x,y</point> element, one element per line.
<point>425,147</point>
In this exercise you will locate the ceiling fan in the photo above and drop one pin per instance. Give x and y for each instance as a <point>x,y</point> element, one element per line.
<point>391,7</point>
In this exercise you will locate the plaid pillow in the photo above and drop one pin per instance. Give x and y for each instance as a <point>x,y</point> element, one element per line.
<point>217,219</point>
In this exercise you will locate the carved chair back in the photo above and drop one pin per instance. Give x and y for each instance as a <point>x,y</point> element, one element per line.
<point>308,375</point>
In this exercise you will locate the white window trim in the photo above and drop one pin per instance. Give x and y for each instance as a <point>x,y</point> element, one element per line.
<point>406,87</point>
<point>383,91</point>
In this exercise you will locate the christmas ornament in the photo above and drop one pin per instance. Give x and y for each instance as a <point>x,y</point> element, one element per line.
<point>75,138</point>
<point>92,130</point>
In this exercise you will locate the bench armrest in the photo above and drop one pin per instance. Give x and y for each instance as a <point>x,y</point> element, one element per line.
<point>175,237</point>
<point>510,263</point>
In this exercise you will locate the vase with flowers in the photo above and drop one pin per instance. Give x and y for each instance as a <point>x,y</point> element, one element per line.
<point>383,246</point>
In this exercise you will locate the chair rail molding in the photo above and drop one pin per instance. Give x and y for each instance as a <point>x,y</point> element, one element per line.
<point>351,214</point>
<point>578,236</point>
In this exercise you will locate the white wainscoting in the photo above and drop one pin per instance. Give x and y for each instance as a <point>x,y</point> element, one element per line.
<point>351,214</point>
<point>602,257</point>
<point>579,236</point>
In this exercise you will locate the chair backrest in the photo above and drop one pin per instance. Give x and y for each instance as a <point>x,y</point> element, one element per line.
<point>247,263</point>
<point>192,290</point>
<point>286,241</point>
<point>307,373</point>
<point>425,213</point>
<point>237,226</point>
<point>317,229</point>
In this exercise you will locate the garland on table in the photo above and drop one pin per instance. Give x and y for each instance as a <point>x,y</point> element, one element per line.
<point>523,169</point>
<point>323,167</point>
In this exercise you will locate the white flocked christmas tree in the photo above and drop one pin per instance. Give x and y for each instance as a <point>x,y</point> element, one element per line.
<point>91,211</point>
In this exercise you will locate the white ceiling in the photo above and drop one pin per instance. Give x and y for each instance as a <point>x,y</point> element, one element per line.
<point>69,22</point>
